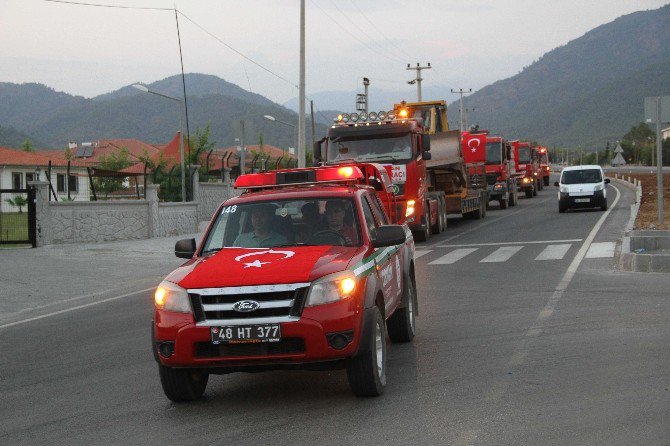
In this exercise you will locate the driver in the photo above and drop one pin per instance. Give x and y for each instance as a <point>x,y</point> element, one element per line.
<point>335,212</point>
<point>261,236</point>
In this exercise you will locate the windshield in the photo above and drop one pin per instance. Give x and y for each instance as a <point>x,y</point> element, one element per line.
<point>493,153</point>
<point>581,176</point>
<point>392,147</point>
<point>524,155</point>
<point>268,224</point>
<point>544,158</point>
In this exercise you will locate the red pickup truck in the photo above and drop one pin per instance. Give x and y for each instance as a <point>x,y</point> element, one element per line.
<point>303,270</point>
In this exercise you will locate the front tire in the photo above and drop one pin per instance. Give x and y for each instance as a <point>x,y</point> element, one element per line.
<point>367,373</point>
<point>529,193</point>
<point>503,203</point>
<point>562,207</point>
<point>603,207</point>
<point>402,325</point>
<point>182,384</point>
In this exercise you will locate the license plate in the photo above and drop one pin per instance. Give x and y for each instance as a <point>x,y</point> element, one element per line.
<point>582,200</point>
<point>246,334</point>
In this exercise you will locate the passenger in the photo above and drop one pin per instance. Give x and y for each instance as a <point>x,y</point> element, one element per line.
<point>311,219</point>
<point>261,236</point>
<point>335,213</point>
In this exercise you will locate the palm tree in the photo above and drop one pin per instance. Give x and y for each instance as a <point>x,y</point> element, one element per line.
<point>18,201</point>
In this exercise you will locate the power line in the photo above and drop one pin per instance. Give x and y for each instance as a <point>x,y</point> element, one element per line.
<point>100,5</point>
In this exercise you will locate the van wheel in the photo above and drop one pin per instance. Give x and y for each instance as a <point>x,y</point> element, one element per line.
<point>603,207</point>
<point>182,384</point>
<point>401,325</point>
<point>367,373</point>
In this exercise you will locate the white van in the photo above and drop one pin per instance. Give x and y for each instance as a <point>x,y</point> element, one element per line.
<point>582,187</point>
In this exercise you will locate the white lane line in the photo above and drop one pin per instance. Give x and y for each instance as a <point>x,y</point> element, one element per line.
<point>554,252</point>
<point>532,242</point>
<point>453,257</point>
<point>499,388</point>
<point>601,250</point>
<point>501,254</point>
<point>78,307</point>
<point>421,252</point>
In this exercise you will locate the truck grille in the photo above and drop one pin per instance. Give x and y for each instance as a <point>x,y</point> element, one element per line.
<point>276,303</point>
<point>286,346</point>
<point>492,178</point>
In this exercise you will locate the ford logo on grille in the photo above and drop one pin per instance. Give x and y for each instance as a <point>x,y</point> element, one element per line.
<point>245,306</point>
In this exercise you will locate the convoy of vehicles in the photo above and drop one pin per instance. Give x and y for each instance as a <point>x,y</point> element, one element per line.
<point>303,270</point>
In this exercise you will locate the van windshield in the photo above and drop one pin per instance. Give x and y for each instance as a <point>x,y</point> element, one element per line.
<point>581,176</point>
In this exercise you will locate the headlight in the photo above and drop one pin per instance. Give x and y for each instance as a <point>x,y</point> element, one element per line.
<point>331,288</point>
<point>564,189</point>
<point>171,297</point>
<point>598,187</point>
<point>410,208</point>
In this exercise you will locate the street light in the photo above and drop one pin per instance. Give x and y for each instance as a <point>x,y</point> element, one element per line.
<point>272,118</point>
<point>145,89</point>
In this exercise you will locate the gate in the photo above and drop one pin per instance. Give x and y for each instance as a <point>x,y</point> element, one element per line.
<point>17,217</point>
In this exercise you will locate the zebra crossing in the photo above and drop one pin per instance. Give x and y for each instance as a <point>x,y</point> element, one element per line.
<point>502,252</point>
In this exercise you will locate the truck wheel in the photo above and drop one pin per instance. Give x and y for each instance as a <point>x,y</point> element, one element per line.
<point>485,199</point>
<point>401,326</point>
<point>182,384</point>
<point>546,181</point>
<point>436,228</point>
<point>534,191</point>
<point>539,184</point>
<point>443,214</point>
<point>503,203</point>
<point>367,373</point>
<point>529,193</point>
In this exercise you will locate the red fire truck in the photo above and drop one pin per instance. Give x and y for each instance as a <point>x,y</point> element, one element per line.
<point>527,168</point>
<point>496,154</point>
<point>303,270</point>
<point>544,164</point>
<point>422,156</point>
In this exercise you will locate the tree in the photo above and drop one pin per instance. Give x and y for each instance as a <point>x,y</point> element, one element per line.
<point>200,143</point>
<point>27,146</point>
<point>18,201</point>
<point>114,162</point>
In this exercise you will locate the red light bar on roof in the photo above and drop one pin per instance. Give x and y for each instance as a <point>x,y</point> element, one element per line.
<point>298,176</point>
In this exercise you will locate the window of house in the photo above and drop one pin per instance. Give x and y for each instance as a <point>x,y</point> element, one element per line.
<point>72,184</point>
<point>17,180</point>
<point>60,182</point>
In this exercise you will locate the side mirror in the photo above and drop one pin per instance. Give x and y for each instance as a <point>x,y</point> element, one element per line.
<point>556,183</point>
<point>425,143</point>
<point>389,235</point>
<point>427,156</point>
<point>316,151</point>
<point>185,249</point>
<point>607,181</point>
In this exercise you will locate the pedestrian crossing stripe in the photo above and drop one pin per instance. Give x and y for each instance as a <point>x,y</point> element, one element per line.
<point>504,253</point>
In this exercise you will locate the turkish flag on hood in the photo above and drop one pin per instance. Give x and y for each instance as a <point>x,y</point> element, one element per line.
<point>254,266</point>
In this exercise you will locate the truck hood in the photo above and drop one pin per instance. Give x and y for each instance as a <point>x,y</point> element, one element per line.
<point>244,266</point>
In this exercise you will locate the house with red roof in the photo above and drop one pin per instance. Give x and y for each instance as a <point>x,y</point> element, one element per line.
<point>17,168</point>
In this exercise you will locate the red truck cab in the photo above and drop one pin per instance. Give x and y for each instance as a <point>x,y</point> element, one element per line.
<point>527,168</point>
<point>303,270</point>
<point>545,169</point>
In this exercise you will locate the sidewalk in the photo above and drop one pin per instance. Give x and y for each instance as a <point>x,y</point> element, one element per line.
<point>47,278</point>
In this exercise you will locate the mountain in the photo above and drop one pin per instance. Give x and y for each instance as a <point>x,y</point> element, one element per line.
<point>586,92</point>
<point>10,137</point>
<point>56,118</point>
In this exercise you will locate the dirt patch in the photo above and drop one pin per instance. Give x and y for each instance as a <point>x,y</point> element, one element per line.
<point>647,217</point>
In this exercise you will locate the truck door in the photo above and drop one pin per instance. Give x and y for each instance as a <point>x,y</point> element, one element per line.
<point>388,263</point>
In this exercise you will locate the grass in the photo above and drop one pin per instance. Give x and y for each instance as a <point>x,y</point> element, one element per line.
<point>13,227</point>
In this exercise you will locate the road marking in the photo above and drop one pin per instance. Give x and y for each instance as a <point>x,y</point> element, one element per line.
<point>78,307</point>
<point>601,250</point>
<point>421,252</point>
<point>501,254</point>
<point>520,354</point>
<point>453,257</point>
<point>554,252</point>
<point>534,242</point>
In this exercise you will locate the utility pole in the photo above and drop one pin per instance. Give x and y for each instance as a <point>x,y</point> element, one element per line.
<point>301,99</point>
<point>242,150</point>
<point>461,92</point>
<point>418,77</point>
<point>311,107</point>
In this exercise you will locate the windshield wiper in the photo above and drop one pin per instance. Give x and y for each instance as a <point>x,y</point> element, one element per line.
<point>209,251</point>
<point>375,157</point>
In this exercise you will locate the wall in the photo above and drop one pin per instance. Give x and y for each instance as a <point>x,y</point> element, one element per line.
<point>210,197</point>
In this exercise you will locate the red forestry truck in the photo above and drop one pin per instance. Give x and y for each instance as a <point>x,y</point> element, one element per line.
<point>527,168</point>
<point>423,157</point>
<point>496,154</point>
<point>544,164</point>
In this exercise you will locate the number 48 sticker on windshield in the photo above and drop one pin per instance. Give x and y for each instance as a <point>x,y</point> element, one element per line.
<point>229,209</point>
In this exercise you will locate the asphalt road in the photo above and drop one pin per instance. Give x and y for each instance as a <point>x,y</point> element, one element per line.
<point>527,334</point>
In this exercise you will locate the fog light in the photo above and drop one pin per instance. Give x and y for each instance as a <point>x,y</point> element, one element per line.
<point>340,340</point>
<point>166,349</point>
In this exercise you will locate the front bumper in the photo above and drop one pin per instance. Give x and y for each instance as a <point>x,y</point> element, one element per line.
<point>303,342</point>
<point>579,201</point>
<point>497,191</point>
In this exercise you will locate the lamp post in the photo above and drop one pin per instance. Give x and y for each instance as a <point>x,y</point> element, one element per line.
<point>145,89</point>
<point>272,118</point>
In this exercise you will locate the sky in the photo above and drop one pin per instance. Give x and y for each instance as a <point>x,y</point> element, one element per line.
<point>87,51</point>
